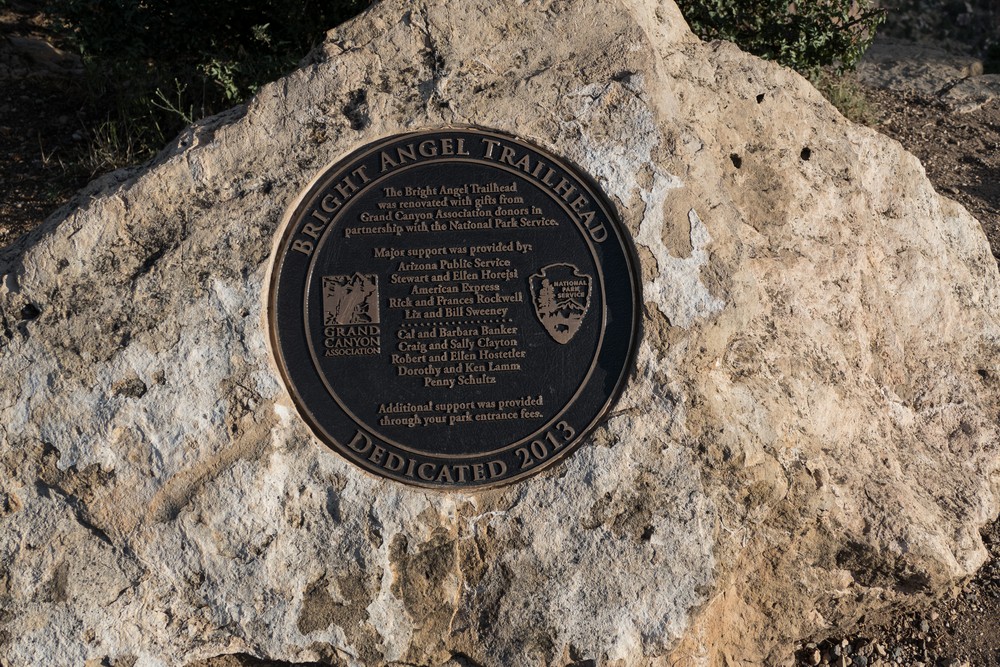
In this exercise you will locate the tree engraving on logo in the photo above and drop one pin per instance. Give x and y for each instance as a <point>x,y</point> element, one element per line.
<point>561,296</point>
<point>350,299</point>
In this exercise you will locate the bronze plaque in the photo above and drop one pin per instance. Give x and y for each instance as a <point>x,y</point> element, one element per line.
<point>453,308</point>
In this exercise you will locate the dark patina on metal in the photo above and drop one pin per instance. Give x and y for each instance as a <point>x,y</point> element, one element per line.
<point>453,308</point>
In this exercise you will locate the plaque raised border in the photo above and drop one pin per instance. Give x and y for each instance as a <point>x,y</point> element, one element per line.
<point>454,308</point>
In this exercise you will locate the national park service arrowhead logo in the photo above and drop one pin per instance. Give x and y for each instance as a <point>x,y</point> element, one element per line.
<point>561,296</point>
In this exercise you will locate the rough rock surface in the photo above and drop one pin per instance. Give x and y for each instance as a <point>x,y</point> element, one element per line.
<point>810,433</point>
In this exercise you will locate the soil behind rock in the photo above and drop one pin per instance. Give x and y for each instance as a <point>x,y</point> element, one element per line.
<point>42,126</point>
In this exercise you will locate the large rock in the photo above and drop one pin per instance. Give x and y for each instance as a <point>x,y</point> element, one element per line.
<point>810,434</point>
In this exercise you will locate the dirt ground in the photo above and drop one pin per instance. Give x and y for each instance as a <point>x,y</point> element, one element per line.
<point>44,143</point>
<point>42,128</point>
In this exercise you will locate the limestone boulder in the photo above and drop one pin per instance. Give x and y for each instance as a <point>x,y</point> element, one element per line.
<point>810,433</point>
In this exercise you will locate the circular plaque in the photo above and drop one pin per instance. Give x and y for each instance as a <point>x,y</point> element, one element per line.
<point>453,308</point>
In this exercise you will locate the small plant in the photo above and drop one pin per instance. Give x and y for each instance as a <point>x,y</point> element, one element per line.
<point>845,93</point>
<point>165,103</point>
<point>223,74</point>
<point>111,145</point>
<point>805,36</point>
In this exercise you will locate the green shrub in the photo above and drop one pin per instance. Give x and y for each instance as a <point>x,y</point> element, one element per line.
<point>805,36</point>
<point>153,67</point>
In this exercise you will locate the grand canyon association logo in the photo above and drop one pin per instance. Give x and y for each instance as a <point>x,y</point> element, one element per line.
<point>561,296</point>
<point>351,315</point>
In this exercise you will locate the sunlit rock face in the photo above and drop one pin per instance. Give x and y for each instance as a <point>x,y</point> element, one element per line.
<point>808,436</point>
